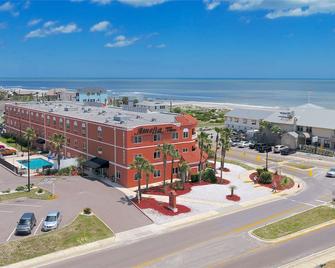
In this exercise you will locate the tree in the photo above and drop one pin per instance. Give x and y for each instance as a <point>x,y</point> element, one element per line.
<point>174,155</point>
<point>30,135</point>
<point>165,150</point>
<point>148,169</point>
<point>217,144</point>
<point>204,144</point>
<point>225,136</point>
<point>232,189</point>
<point>58,141</point>
<point>183,171</point>
<point>138,165</point>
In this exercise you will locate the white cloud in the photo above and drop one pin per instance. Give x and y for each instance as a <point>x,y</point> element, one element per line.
<point>101,2</point>
<point>122,41</point>
<point>142,3</point>
<point>34,22</point>
<point>7,6</point>
<point>51,28</point>
<point>101,26</point>
<point>278,8</point>
<point>157,46</point>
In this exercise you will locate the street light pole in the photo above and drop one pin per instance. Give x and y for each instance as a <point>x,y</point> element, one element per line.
<point>267,159</point>
<point>28,165</point>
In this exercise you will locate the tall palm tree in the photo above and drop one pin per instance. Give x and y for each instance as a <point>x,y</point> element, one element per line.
<point>138,165</point>
<point>225,145</point>
<point>148,169</point>
<point>204,143</point>
<point>217,144</point>
<point>58,141</point>
<point>165,150</point>
<point>174,155</point>
<point>183,171</point>
<point>30,135</point>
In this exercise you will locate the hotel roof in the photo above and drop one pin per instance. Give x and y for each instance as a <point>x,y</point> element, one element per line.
<point>249,113</point>
<point>113,116</point>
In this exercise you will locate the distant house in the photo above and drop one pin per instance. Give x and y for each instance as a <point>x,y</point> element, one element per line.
<point>92,95</point>
<point>245,119</point>
<point>60,94</point>
<point>146,106</point>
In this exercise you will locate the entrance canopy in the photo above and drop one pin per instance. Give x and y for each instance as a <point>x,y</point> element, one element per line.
<point>96,162</point>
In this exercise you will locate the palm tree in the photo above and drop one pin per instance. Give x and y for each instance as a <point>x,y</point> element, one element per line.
<point>203,142</point>
<point>139,165</point>
<point>30,135</point>
<point>225,145</point>
<point>174,155</point>
<point>165,150</point>
<point>183,171</point>
<point>232,189</point>
<point>148,169</point>
<point>58,141</point>
<point>217,144</point>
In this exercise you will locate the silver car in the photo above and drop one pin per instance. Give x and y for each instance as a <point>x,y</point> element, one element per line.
<point>51,221</point>
<point>331,173</point>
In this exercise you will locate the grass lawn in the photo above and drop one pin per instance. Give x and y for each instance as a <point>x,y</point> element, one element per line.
<point>32,194</point>
<point>296,223</point>
<point>9,142</point>
<point>238,163</point>
<point>84,229</point>
<point>299,165</point>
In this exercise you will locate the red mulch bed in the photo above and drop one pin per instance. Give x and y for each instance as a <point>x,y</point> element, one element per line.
<point>222,181</point>
<point>159,190</point>
<point>161,207</point>
<point>233,197</point>
<point>275,179</point>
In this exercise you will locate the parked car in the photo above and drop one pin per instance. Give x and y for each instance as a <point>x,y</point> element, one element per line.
<point>251,145</point>
<point>243,144</point>
<point>234,143</point>
<point>264,148</point>
<point>287,151</point>
<point>7,151</point>
<point>278,148</point>
<point>331,173</point>
<point>26,223</point>
<point>51,221</point>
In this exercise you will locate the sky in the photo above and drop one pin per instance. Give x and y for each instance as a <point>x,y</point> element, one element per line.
<point>168,39</point>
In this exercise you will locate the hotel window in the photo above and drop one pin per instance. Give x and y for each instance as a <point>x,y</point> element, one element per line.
<point>253,122</point>
<point>83,129</point>
<point>245,121</point>
<point>175,170</point>
<point>185,150</point>
<point>99,132</point>
<point>48,120</point>
<point>84,146</point>
<point>60,122</point>
<point>118,174</point>
<point>137,155</point>
<point>67,123</point>
<point>68,142</point>
<point>174,135</point>
<point>54,121</point>
<point>300,128</point>
<point>75,142</point>
<point>157,137</point>
<point>99,150</point>
<point>75,126</point>
<point>157,173</point>
<point>137,139</point>
<point>185,133</point>
<point>157,154</point>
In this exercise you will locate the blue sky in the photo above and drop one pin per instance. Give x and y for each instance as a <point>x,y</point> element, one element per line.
<point>157,38</point>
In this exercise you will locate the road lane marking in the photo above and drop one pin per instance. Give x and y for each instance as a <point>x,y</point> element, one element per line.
<point>6,211</point>
<point>233,231</point>
<point>19,205</point>
<point>38,226</point>
<point>321,201</point>
<point>9,237</point>
<point>303,203</point>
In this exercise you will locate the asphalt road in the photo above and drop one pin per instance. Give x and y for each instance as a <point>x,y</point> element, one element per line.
<point>224,241</point>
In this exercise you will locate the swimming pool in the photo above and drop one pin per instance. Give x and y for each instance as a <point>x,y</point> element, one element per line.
<point>36,163</point>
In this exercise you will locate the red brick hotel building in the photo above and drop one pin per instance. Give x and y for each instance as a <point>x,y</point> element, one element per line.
<point>108,133</point>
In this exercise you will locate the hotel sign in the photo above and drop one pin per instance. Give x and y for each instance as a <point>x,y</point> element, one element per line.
<point>154,130</point>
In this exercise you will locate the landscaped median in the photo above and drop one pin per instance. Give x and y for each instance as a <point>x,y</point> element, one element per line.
<point>296,224</point>
<point>35,193</point>
<point>84,229</point>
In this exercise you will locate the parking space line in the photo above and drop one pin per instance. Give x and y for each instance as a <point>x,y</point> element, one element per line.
<point>9,237</point>
<point>20,205</point>
<point>38,226</point>
<point>6,211</point>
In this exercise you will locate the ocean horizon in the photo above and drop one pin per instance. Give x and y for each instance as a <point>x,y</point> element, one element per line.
<point>250,91</point>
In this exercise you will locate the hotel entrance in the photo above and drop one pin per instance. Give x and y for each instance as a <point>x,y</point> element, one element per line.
<point>96,167</point>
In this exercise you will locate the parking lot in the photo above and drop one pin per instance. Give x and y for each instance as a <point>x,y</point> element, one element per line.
<point>73,193</point>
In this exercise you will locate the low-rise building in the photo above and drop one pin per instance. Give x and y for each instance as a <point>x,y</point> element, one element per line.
<point>97,95</point>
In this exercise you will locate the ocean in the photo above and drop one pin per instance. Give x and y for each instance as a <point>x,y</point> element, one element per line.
<point>260,92</point>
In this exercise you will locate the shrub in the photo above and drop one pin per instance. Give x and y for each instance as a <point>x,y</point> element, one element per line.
<point>195,178</point>
<point>87,211</point>
<point>20,188</point>
<point>31,185</point>
<point>265,177</point>
<point>259,171</point>
<point>40,190</point>
<point>209,175</point>
<point>178,185</point>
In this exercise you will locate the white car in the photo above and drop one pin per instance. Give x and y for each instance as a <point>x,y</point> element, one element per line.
<point>278,148</point>
<point>243,144</point>
<point>331,173</point>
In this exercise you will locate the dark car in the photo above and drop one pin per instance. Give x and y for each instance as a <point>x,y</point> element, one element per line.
<point>26,223</point>
<point>287,151</point>
<point>252,145</point>
<point>259,145</point>
<point>264,148</point>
